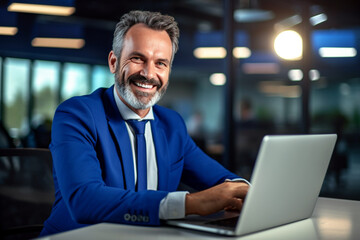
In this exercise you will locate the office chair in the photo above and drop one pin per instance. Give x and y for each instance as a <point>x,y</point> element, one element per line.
<point>26,191</point>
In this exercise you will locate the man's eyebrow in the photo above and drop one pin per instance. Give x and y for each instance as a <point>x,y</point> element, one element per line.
<point>135,53</point>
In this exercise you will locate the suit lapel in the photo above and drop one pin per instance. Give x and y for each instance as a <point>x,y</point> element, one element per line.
<point>118,127</point>
<point>162,154</point>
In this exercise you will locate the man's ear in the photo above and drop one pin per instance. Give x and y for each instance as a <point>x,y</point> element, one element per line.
<point>112,61</point>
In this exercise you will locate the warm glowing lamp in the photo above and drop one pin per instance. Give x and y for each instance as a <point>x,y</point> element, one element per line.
<point>288,45</point>
<point>210,52</point>
<point>54,7</point>
<point>8,22</point>
<point>218,79</point>
<point>58,35</point>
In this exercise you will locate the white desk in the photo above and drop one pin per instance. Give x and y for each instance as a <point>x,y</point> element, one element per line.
<point>332,219</point>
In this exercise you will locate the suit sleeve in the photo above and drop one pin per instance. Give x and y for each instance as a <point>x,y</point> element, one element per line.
<point>79,174</point>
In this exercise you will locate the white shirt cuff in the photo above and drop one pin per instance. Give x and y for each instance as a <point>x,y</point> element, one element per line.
<point>173,205</point>
<point>238,180</point>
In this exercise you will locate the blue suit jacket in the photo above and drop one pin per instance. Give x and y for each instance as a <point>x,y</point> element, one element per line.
<point>93,165</point>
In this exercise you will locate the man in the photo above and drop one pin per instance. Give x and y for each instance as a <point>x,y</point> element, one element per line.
<point>95,146</point>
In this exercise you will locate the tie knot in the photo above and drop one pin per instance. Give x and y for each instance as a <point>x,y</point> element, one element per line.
<point>137,126</point>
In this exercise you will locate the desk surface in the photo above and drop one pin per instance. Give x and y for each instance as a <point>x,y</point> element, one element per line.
<point>332,219</point>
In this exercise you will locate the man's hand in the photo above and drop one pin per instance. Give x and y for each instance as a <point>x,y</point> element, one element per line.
<point>228,195</point>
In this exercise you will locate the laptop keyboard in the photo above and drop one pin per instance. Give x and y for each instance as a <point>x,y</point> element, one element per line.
<point>228,222</point>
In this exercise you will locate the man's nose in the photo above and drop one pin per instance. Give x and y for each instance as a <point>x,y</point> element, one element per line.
<point>148,71</point>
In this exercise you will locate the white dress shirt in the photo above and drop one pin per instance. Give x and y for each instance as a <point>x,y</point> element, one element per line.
<point>173,205</point>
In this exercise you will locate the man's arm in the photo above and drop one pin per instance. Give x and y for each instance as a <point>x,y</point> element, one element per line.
<point>202,172</point>
<point>79,173</point>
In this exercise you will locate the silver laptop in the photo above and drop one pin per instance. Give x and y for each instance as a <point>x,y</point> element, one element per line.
<point>285,184</point>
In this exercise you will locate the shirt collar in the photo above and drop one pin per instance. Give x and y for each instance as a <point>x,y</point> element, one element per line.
<point>127,113</point>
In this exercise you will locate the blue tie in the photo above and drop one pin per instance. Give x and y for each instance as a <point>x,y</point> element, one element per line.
<point>139,129</point>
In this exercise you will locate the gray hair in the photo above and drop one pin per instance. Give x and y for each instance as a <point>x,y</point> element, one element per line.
<point>153,20</point>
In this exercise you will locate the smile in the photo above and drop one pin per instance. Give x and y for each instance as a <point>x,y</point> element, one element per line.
<point>147,86</point>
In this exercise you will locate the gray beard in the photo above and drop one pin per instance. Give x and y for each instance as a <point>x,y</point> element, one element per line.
<point>125,92</point>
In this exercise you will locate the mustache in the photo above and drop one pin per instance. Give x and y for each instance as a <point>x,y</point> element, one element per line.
<point>144,80</point>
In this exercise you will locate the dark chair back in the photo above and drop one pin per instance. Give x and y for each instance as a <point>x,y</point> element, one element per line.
<point>26,191</point>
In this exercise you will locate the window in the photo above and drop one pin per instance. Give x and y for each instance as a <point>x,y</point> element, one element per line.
<point>16,97</point>
<point>101,77</point>
<point>45,90</point>
<point>76,80</point>
<point>1,90</point>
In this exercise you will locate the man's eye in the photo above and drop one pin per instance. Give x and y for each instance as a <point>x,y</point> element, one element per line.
<point>136,59</point>
<point>162,64</point>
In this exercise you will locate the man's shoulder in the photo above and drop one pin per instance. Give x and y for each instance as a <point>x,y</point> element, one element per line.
<point>168,117</point>
<point>91,100</point>
<point>163,112</point>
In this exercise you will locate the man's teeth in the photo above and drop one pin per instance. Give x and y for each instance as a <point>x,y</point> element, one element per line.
<point>144,85</point>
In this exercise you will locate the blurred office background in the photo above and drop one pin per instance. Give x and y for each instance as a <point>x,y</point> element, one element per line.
<point>230,93</point>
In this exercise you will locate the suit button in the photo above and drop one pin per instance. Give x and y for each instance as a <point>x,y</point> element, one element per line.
<point>146,219</point>
<point>133,218</point>
<point>127,217</point>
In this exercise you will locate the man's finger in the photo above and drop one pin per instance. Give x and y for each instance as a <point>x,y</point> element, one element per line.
<point>235,203</point>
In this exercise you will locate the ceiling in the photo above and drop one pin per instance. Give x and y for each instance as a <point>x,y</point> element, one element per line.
<point>192,13</point>
<point>100,16</point>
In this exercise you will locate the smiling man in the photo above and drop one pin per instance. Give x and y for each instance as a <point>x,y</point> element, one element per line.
<point>118,157</point>
<point>142,72</point>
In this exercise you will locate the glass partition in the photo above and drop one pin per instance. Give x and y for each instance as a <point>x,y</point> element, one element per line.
<point>16,96</point>
<point>76,80</point>
<point>45,89</point>
<point>101,77</point>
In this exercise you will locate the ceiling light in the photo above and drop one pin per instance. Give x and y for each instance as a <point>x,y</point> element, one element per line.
<point>8,22</point>
<point>288,45</point>
<point>278,89</point>
<point>41,9</point>
<point>332,52</point>
<point>288,22</point>
<point>74,43</point>
<point>295,75</point>
<point>241,52</point>
<point>218,79</point>
<point>314,74</point>
<point>252,15</point>
<point>260,68</point>
<point>317,19</point>
<point>58,35</point>
<point>210,52</point>
<point>8,30</point>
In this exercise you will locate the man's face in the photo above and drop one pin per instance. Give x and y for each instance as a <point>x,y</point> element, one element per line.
<point>143,71</point>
